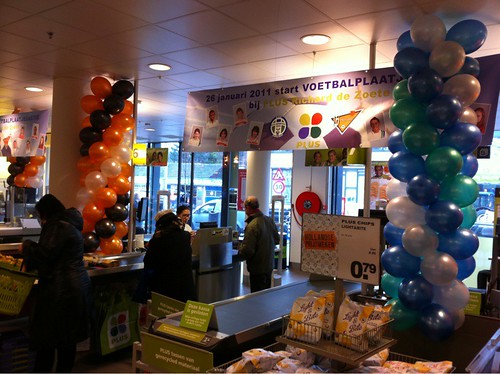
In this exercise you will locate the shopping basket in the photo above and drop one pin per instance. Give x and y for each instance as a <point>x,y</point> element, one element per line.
<point>14,290</point>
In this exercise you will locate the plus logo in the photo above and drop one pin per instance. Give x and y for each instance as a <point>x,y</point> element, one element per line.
<point>118,329</point>
<point>310,125</point>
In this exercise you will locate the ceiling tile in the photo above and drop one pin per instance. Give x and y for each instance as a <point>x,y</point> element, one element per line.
<point>10,15</point>
<point>108,49</point>
<point>297,66</point>
<point>343,9</point>
<point>203,58</point>
<point>242,73</point>
<point>154,11</point>
<point>208,27</point>
<point>33,7</point>
<point>268,16</point>
<point>201,79</point>
<point>22,46</point>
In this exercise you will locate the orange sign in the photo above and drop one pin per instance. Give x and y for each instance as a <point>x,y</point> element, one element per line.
<point>322,240</point>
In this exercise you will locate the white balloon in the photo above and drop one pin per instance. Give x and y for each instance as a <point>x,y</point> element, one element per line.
<point>469,115</point>
<point>420,240</point>
<point>84,196</point>
<point>41,170</point>
<point>402,212</point>
<point>453,296</point>
<point>465,86</point>
<point>111,167</point>
<point>396,188</point>
<point>439,268</point>
<point>447,58</point>
<point>95,180</point>
<point>427,31</point>
<point>127,138</point>
<point>122,153</point>
<point>34,182</point>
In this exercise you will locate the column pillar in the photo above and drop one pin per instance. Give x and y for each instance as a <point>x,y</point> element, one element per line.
<point>67,116</point>
<point>259,177</point>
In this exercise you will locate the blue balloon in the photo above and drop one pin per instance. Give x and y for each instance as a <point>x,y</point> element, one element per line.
<point>399,263</point>
<point>465,268</point>
<point>436,322</point>
<point>404,41</point>
<point>470,34</point>
<point>423,190</point>
<point>393,234</point>
<point>444,111</point>
<point>425,85</point>
<point>471,66</point>
<point>464,137</point>
<point>409,61</point>
<point>459,244</point>
<point>416,292</point>
<point>470,165</point>
<point>444,216</point>
<point>395,142</point>
<point>405,165</point>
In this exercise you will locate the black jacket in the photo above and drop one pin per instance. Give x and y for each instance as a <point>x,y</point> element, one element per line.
<point>169,259</point>
<point>61,311</point>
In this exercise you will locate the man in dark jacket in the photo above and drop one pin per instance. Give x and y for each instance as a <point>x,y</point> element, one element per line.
<point>261,237</point>
<point>61,314</point>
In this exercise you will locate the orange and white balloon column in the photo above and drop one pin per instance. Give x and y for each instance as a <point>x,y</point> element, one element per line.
<point>105,164</point>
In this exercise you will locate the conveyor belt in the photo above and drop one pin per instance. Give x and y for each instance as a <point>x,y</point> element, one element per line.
<point>239,316</point>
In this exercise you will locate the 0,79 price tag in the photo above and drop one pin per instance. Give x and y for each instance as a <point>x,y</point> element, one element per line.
<point>362,270</point>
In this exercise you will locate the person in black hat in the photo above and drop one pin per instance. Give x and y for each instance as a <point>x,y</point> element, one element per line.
<point>61,313</point>
<point>168,260</point>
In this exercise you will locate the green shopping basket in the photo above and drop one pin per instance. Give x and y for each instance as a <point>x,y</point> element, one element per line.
<point>15,287</point>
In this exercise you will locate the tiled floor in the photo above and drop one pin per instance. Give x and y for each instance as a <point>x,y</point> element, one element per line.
<point>121,361</point>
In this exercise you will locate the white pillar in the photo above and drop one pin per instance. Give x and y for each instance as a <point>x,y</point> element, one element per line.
<point>259,177</point>
<point>67,117</point>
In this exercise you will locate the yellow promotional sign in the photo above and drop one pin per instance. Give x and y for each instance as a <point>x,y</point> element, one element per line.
<point>139,154</point>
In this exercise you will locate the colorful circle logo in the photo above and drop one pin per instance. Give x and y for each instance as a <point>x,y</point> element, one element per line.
<point>310,125</point>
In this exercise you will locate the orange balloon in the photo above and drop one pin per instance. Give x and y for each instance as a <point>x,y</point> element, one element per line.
<point>92,212</point>
<point>105,197</point>
<point>30,170</point>
<point>86,122</point>
<point>98,152</point>
<point>20,180</point>
<point>88,226</point>
<point>129,108</point>
<point>111,246</point>
<point>121,229</point>
<point>84,164</point>
<point>112,136</point>
<point>89,103</point>
<point>123,121</point>
<point>101,87</point>
<point>37,160</point>
<point>120,184</point>
<point>126,170</point>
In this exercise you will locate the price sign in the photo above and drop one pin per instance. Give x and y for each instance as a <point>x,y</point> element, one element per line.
<point>359,249</point>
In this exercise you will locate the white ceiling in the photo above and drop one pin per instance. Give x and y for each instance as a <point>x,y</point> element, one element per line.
<point>209,44</point>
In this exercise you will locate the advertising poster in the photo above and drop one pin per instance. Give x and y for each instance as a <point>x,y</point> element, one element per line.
<point>349,110</point>
<point>157,156</point>
<point>23,134</point>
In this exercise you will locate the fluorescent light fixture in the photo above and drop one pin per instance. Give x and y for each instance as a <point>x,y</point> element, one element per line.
<point>150,129</point>
<point>33,89</point>
<point>315,39</point>
<point>159,67</point>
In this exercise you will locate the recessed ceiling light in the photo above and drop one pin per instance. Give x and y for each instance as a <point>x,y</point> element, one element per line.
<point>150,129</point>
<point>159,67</point>
<point>315,39</point>
<point>33,89</point>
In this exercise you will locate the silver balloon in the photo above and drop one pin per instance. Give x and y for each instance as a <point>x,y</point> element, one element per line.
<point>468,116</point>
<point>396,188</point>
<point>458,318</point>
<point>447,58</point>
<point>465,86</point>
<point>402,212</point>
<point>453,296</point>
<point>439,268</point>
<point>427,31</point>
<point>420,240</point>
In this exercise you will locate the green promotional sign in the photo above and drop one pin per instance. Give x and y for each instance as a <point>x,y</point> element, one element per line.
<point>172,357</point>
<point>196,316</point>
<point>181,332</point>
<point>474,305</point>
<point>163,305</point>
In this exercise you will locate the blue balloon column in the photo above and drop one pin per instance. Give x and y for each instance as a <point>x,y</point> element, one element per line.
<point>430,212</point>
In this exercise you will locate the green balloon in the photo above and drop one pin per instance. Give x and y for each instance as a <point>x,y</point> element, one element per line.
<point>461,189</point>
<point>443,162</point>
<point>406,111</point>
<point>390,284</point>
<point>470,216</point>
<point>400,90</point>
<point>404,318</point>
<point>420,138</point>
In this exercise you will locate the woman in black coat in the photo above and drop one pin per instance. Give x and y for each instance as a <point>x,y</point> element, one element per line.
<point>60,318</point>
<point>168,260</point>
